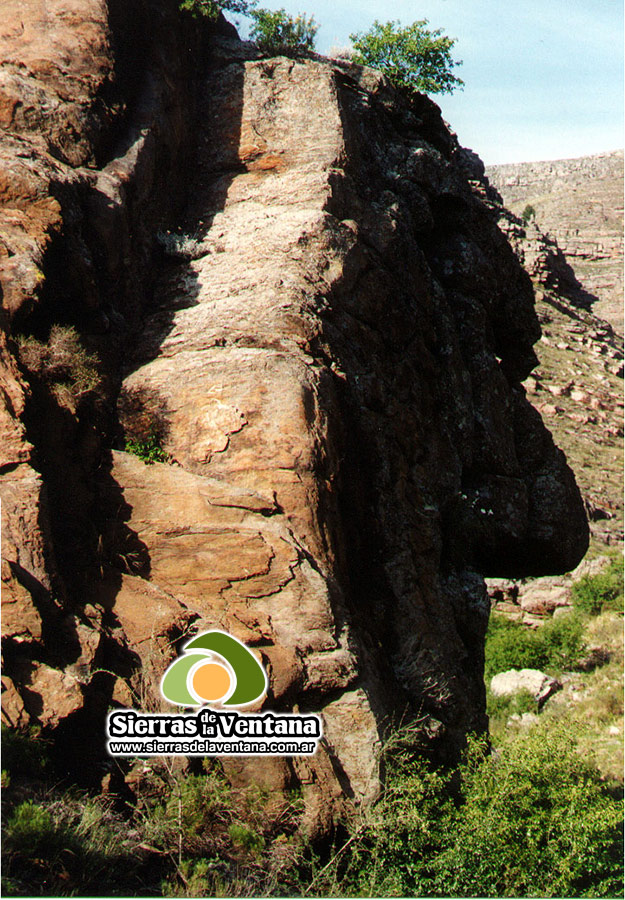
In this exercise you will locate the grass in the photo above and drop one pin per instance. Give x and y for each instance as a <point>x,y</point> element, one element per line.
<point>189,834</point>
<point>590,705</point>
<point>594,594</point>
<point>62,845</point>
<point>553,647</point>
<point>508,705</point>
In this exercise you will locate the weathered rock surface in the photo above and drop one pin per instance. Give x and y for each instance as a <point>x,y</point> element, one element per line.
<point>539,685</point>
<point>95,103</point>
<point>334,377</point>
<point>579,202</point>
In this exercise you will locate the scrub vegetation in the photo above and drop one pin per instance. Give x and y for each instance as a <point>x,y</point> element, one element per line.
<point>61,364</point>
<point>536,810</point>
<point>536,817</point>
<point>413,58</point>
<point>275,32</point>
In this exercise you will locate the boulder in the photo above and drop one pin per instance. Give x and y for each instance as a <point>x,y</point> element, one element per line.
<point>544,595</point>
<point>538,684</point>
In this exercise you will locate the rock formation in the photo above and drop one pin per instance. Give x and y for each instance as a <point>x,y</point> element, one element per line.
<point>577,386</point>
<point>293,289</point>
<point>579,203</point>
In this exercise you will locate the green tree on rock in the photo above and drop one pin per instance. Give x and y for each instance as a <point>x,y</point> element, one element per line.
<point>210,9</point>
<point>275,31</point>
<point>413,58</point>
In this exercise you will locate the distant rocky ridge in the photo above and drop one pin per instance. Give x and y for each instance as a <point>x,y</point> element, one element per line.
<point>578,386</point>
<point>579,202</point>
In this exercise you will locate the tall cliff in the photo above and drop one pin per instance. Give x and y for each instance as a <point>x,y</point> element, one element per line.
<point>291,283</point>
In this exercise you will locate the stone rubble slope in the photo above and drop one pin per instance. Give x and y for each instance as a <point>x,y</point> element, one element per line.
<point>578,385</point>
<point>579,202</point>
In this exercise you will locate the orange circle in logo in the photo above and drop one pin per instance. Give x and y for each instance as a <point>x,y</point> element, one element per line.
<point>211,681</point>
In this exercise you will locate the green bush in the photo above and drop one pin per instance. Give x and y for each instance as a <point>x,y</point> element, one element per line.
<point>275,32</point>
<point>536,821</point>
<point>528,213</point>
<point>413,58</point>
<point>210,9</point>
<point>554,646</point>
<point>30,830</point>
<point>510,645</point>
<point>594,594</point>
<point>562,642</point>
<point>533,820</point>
<point>25,753</point>
<point>246,838</point>
<point>197,804</point>
<point>194,878</point>
<point>148,450</point>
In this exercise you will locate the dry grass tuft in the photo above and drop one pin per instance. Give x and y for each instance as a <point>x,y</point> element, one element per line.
<point>62,363</point>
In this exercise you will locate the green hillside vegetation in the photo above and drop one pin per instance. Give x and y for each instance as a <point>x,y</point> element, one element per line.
<point>534,819</point>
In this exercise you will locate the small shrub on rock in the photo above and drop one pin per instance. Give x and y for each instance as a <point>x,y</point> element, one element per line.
<point>528,214</point>
<point>181,246</point>
<point>276,32</point>
<point>62,363</point>
<point>149,450</point>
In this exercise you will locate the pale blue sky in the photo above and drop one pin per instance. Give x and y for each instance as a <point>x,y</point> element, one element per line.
<point>543,78</point>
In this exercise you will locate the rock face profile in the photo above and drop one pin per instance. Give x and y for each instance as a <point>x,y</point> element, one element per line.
<point>264,345</point>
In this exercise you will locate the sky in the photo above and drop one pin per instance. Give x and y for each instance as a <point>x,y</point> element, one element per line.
<point>543,78</point>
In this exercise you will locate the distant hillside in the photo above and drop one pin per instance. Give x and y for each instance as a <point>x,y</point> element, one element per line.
<point>580,202</point>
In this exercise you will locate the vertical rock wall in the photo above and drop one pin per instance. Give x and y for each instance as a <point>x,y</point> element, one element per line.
<point>331,364</point>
